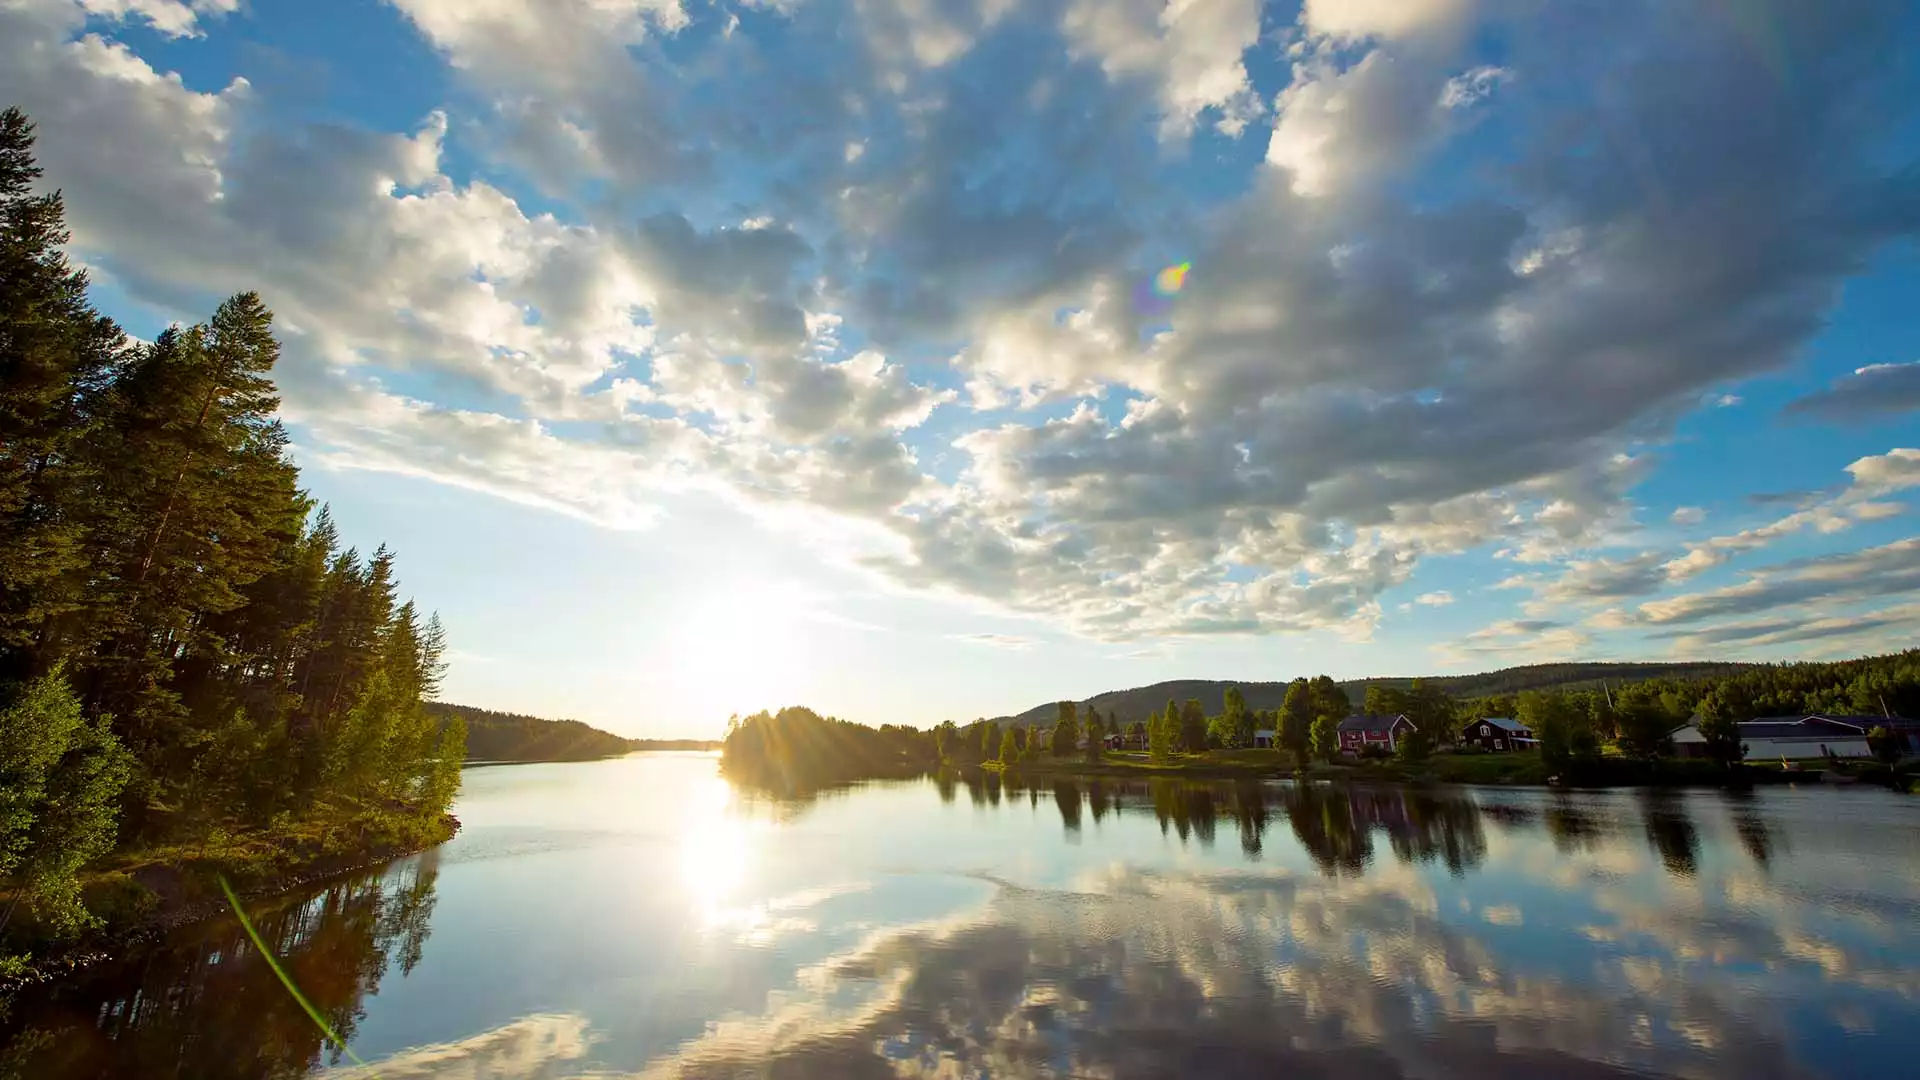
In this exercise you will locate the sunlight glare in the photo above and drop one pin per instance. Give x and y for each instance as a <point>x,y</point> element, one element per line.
<point>715,849</point>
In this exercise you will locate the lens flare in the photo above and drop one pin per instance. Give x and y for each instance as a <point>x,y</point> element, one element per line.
<point>1171,280</point>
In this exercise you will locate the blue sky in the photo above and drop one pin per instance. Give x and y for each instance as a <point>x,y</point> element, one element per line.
<point>704,357</point>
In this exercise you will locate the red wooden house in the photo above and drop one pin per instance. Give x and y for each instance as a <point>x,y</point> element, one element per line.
<point>1373,729</point>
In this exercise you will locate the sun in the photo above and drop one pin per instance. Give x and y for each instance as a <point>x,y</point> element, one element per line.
<point>741,648</point>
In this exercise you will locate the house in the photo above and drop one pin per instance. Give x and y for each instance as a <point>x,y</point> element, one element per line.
<point>1798,738</point>
<point>1370,729</point>
<point>1265,739</point>
<point>1499,734</point>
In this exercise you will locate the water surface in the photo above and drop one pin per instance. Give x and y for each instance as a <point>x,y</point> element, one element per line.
<point>639,918</point>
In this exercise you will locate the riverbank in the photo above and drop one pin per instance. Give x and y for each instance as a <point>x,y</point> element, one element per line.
<point>144,895</point>
<point>1511,769</point>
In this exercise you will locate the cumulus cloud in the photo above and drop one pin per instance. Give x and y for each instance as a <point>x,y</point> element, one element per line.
<point>1190,50</point>
<point>1869,392</point>
<point>1368,366</point>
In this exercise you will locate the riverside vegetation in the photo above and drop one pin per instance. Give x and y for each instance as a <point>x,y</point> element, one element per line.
<point>1589,735</point>
<point>194,676</point>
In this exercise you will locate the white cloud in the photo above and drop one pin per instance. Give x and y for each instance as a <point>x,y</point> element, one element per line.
<point>1359,375</point>
<point>1379,18</point>
<point>1190,49</point>
<point>1688,515</point>
<point>1434,599</point>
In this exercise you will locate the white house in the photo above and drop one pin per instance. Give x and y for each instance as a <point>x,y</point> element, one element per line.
<point>1265,739</point>
<point>1794,738</point>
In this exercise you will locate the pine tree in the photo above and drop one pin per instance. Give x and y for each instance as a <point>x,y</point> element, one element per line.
<point>55,354</point>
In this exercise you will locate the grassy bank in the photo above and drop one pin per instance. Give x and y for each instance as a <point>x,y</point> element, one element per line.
<point>139,895</point>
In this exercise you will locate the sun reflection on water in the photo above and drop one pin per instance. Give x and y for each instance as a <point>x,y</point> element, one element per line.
<point>716,850</point>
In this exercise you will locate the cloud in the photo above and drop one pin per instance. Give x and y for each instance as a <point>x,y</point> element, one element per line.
<point>1434,599</point>
<point>1875,573</point>
<point>1189,49</point>
<point>546,1046</point>
<point>1870,391</point>
<point>1011,642</point>
<point>1367,368</point>
<point>1688,515</point>
<point>1379,18</point>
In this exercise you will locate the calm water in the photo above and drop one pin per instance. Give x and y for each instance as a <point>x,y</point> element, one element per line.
<point>639,918</point>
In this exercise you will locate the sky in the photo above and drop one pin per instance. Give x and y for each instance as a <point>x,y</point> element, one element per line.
<point>701,357</point>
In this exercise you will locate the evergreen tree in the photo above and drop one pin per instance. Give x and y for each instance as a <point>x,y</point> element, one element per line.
<point>56,353</point>
<point>1096,735</point>
<point>1009,747</point>
<point>989,740</point>
<point>183,646</point>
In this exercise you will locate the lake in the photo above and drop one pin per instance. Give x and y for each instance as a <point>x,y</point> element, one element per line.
<point>639,918</point>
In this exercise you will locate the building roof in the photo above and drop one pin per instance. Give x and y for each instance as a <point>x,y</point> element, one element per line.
<point>1381,722</point>
<point>1504,723</point>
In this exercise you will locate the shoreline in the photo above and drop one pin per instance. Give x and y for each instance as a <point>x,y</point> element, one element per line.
<point>183,895</point>
<point>1475,770</point>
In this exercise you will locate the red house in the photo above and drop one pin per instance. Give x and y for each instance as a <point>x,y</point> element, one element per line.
<point>1373,729</point>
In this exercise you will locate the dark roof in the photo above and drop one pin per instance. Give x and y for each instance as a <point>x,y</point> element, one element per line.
<point>1800,727</point>
<point>1373,721</point>
<point>1867,720</point>
<point>1506,724</point>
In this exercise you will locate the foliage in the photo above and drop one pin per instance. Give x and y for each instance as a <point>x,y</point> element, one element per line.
<point>218,664</point>
<point>60,778</point>
<point>1296,720</point>
<point>796,750</point>
<point>1096,735</point>
<point>1237,721</point>
<point>989,740</point>
<point>1720,714</point>
<point>1642,721</point>
<point>1066,731</point>
<point>1163,732</point>
<point>1326,736</point>
<point>1191,733</point>
<point>1885,743</point>
<point>1009,746</point>
<point>501,736</point>
<point>1562,726</point>
<point>1414,746</point>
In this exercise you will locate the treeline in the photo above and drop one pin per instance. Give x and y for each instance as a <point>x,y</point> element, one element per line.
<point>185,648</point>
<point>796,751</point>
<point>1638,718</point>
<point>503,736</point>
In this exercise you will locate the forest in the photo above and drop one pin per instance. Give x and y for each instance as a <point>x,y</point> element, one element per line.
<point>502,736</point>
<point>192,665</point>
<point>796,751</point>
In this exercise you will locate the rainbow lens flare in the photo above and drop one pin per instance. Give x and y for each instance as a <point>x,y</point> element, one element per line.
<point>1171,280</point>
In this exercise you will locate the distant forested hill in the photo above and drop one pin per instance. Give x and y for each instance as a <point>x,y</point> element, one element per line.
<point>1140,702</point>
<point>498,736</point>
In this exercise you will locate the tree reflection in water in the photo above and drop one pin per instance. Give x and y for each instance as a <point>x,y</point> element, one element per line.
<point>1334,824</point>
<point>206,1005</point>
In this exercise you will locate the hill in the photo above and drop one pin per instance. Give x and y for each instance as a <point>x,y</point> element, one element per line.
<point>498,736</point>
<point>1138,703</point>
